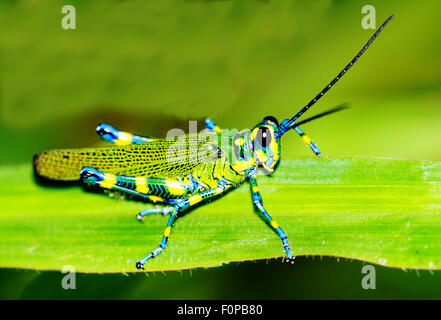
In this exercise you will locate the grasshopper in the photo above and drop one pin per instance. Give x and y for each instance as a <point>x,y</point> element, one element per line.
<point>142,166</point>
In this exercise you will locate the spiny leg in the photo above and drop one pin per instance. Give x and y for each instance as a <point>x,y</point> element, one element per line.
<point>258,202</point>
<point>210,125</point>
<point>180,206</point>
<point>308,141</point>
<point>120,138</point>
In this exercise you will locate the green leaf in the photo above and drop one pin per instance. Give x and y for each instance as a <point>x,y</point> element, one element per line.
<point>378,210</point>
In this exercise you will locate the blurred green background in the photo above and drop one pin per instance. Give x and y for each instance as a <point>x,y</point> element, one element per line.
<point>149,66</point>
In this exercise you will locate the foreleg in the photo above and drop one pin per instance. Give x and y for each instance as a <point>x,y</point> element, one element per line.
<point>308,141</point>
<point>258,203</point>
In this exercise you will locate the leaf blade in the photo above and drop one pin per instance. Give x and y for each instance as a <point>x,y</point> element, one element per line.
<point>378,210</point>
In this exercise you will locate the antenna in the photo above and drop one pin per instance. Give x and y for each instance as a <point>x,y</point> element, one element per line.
<point>287,124</point>
<point>338,108</point>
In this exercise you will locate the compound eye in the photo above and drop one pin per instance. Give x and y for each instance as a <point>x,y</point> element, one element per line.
<point>264,137</point>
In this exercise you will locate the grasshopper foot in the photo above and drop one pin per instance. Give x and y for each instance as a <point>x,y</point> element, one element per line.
<point>290,260</point>
<point>139,265</point>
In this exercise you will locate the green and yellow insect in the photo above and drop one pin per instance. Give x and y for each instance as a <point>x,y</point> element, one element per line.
<point>187,171</point>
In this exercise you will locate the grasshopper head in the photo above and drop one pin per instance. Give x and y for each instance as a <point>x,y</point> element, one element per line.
<point>265,138</point>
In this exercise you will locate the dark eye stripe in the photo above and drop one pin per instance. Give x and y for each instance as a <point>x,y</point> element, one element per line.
<point>263,137</point>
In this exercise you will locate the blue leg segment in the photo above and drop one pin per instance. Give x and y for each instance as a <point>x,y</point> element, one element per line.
<point>258,203</point>
<point>308,141</point>
<point>210,125</point>
<point>112,135</point>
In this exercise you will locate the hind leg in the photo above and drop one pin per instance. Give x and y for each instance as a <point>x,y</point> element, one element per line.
<point>154,189</point>
<point>120,138</point>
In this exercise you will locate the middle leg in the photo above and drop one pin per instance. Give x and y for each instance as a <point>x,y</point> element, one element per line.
<point>211,126</point>
<point>181,206</point>
<point>120,138</point>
